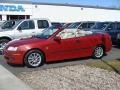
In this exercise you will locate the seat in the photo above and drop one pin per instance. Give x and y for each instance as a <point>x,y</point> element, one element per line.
<point>82,33</point>
<point>67,34</point>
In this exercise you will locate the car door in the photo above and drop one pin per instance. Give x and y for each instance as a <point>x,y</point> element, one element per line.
<point>25,29</point>
<point>63,49</point>
<point>84,43</point>
<point>68,48</point>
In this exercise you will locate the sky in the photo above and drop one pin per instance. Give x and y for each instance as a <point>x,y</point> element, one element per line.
<point>106,3</point>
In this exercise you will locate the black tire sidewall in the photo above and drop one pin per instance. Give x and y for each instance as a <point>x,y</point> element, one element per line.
<point>26,58</point>
<point>4,40</point>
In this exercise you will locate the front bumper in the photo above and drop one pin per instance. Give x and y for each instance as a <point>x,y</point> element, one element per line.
<point>13,57</point>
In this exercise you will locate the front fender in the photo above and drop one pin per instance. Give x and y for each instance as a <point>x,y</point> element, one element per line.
<point>9,34</point>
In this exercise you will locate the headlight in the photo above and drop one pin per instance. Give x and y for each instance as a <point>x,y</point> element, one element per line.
<point>12,48</point>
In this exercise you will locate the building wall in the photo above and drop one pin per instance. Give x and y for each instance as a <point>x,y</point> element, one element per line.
<point>60,13</point>
<point>14,9</point>
<point>68,14</point>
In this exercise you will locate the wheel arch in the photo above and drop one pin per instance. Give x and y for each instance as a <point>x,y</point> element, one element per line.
<point>5,37</point>
<point>35,49</point>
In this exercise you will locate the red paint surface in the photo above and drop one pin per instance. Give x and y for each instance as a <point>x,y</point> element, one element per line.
<point>58,50</point>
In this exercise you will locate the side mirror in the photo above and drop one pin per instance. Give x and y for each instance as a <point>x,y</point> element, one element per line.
<point>57,38</point>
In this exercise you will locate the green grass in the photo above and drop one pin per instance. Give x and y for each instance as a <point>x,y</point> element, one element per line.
<point>110,65</point>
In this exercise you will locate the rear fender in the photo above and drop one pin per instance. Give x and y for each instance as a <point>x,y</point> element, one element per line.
<point>106,39</point>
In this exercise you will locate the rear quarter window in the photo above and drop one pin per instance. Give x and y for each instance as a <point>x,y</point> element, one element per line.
<point>42,24</point>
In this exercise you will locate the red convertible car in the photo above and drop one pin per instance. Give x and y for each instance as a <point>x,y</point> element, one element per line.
<point>57,44</point>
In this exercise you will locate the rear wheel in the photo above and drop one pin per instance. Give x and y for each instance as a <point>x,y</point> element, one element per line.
<point>98,52</point>
<point>34,58</point>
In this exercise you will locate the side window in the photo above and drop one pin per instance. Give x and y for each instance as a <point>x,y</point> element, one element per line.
<point>117,26</point>
<point>27,25</point>
<point>42,24</point>
<point>90,25</point>
<point>111,27</point>
<point>83,26</point>
<point>65,34</point>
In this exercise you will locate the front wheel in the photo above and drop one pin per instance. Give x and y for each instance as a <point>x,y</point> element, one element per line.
<point>98,52</point>
<point>34,58</point>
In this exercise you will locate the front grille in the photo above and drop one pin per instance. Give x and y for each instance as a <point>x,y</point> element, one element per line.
<point>7,58</point>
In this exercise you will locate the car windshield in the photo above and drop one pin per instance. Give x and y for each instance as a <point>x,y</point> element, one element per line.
<point>10,24</point>
<point>74,25</point>
<point>1,23</point>
<point>55,24</point>
<point>46,33</point>
<point>100,25</point>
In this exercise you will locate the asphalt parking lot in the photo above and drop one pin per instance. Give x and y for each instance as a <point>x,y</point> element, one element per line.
<point>112,55</point>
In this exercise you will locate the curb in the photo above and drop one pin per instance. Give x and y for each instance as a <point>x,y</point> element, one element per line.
<point>8,81</point>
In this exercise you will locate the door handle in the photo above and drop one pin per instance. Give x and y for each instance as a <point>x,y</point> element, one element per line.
<point>77,41</point>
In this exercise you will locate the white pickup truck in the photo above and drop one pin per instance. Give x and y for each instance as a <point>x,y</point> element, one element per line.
<point>15,29</point>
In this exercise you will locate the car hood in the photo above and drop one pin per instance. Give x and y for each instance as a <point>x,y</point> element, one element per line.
<point>25,41</point>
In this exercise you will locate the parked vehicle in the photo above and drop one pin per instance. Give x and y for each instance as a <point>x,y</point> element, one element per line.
<point>56,24</point>
<point>15,29</point>
<point>66,25</point>
<point>112,28</point>
<point>53,45</point>
<point>81,25</point>
<point>1,22</point>
<point>118,39</point>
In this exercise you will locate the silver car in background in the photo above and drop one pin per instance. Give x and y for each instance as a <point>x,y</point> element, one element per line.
<point>15,29</point>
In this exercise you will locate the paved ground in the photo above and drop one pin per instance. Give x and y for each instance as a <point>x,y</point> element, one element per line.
<point>7,77</point>
<point>114,54</point>
<point>77,77</point>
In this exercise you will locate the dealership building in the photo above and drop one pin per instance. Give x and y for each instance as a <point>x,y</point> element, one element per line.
<point>56,12</point>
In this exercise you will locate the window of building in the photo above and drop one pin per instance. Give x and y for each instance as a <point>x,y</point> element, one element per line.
<point>16,17</point>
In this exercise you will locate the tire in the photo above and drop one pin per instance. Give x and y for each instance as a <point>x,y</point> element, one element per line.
<point>98,52</point>
<point>34,58</point>
<point>3,42</point>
